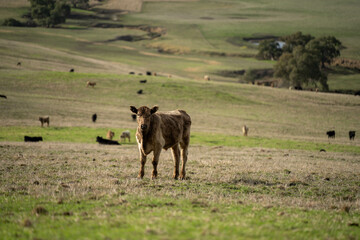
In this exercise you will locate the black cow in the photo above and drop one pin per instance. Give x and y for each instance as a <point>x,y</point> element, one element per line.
<point>94,117</point>
<point>143,81</point>
<point>72,70</point>
<point>3,96</point>
<point>148,73</point>
<point>140,91</point>
<point>32,139</point>
<point>18,64</point>
<point>132,73</point>
<point>133,117</point>
<point>101,140</point>
<point>330,134</point>
<point>352,135</point>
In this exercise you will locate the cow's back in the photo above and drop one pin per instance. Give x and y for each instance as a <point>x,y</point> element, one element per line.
<point>174,125</point>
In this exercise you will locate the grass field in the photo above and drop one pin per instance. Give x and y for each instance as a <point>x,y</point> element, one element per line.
<point>273,184</point>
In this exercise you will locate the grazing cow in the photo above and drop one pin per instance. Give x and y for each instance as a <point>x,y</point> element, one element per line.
<point>92,84</point>
<point>110,135</point>
<point>43,120</point>
<point>245,130</point>
<point>32,139</point>
<point>125,135</point>
<point>352,135</point>
<point>3,96</point>
<point>207,78</point>
<point>94,117</point>
<point>101,140</point>
<point>143,81</point>
<point>72,70</point>
<point>157,131</point>
<point>132,73</point>
<point>140,91</point>
<point>148,73</point>
<point>330,134</point>
<point>133,117</point>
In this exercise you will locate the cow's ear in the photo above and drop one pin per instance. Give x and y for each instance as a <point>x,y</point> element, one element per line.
<point>154,109</point>
<point>133,109</point>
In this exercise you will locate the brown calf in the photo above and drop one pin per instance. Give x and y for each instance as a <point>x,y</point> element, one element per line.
<point>91,84</point>
<point>157,131</point>
<point>110,135</point>
<point>245,130</point>
<point>44,120</point>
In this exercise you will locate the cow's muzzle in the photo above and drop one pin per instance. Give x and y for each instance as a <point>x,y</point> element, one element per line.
<point>143,126</point>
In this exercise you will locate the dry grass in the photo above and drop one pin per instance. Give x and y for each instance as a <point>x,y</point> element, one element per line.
<point>250,175</point>
<point>123,5</point>
<point>14,3</point>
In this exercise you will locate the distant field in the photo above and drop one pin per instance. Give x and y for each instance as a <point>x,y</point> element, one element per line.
<point>214,107</point>
<point>198,36</point>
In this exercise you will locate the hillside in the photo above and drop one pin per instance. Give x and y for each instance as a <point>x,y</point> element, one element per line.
<point>196,38</point>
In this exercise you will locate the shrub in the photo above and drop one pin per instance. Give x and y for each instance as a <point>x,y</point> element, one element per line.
<point>11,22</point>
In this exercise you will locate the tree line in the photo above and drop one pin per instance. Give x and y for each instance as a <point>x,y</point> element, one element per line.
<point>302,58</point>
<point>48,13</point>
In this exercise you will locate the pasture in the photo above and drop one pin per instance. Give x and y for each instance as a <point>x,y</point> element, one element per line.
<point>273,184</point>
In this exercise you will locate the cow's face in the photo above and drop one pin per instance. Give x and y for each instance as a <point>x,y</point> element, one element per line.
<point>143,116</point>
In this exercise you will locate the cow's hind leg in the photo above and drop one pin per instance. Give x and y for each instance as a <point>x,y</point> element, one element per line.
<point>176,156</point>
<point>184,153</point>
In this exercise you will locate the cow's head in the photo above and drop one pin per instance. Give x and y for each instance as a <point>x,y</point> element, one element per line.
<point>144,116</point>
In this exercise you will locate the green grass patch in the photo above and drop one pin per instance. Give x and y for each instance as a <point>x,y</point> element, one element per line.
<point>240,141</point>
<point>59,134</point>
<point>89,134</point>
<point>165,217</point>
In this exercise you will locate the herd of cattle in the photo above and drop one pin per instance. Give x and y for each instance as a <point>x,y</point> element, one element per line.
<point>331,134</point>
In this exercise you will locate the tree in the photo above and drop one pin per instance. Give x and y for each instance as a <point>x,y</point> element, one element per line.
<point>302,66</point>
<point>79,3</point>
<point>49,12</point>
<point>294,40</point>
<point>327,48</point>
<point>269,50</point>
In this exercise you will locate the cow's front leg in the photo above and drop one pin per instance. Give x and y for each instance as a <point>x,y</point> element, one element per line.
<point>142,165</point>
<point>155,162</point>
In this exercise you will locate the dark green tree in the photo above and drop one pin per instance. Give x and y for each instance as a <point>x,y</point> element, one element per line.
<point>296,39</point>
<point>49,13</point>
<point>79,3</point>
<point>300,67</point>
<point>327,48</point>
<point>269,50</point>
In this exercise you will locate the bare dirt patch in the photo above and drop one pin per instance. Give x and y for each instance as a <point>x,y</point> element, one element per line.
<point>312,180</point>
